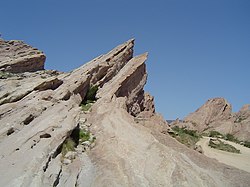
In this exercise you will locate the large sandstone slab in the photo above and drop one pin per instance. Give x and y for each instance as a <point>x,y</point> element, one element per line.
<point>132,147</point>
<point>18,57</point>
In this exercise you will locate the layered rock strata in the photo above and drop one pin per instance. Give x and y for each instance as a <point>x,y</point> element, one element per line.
<point>18,57</point>
<point>216,114</point>
<point>132,147</point>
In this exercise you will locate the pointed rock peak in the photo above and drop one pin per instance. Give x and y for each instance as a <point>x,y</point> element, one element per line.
<point>123,46</point>
<point>142,57</point>
<point>218,100</point>
<point>245,108</point>
<point>132,40</point>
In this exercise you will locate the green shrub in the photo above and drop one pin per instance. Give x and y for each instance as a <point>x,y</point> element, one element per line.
<point>231,138</point>
<point>185,136</point>
<point>91,94</point>
<point>5,75</point>
<point>84,135</point>
<point>89,98</point>
<point>86,107</point>
<point>223,146</point>
<point>215,134</point>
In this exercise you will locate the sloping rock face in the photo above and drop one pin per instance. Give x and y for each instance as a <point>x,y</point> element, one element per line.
<point>132,146</point>
<point>18,57</point>
<point>216,114</point>
<point>242,123</point>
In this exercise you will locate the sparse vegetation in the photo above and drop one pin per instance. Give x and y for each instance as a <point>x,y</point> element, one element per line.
<point>78,136</point>
<point>5,75</point>
<point>240,119</point>
<point>84,135</point>
<point>68,145</point>
<point>86,107</point>
<point>185,136</point>
<point>231,138</point>
<point>215,134</point>
<point>91,94</point>
<point>218,144</point>
<point>89,99</point>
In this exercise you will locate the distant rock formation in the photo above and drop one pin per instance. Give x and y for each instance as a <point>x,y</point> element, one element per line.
<point>18,57</point>
<point>216,114</point>
<point>47,139</point>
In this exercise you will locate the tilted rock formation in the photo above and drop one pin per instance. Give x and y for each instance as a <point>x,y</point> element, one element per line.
<point>216,114</point>
<point>241,128</point>
<point>18,57</point>
<point>132,146</point>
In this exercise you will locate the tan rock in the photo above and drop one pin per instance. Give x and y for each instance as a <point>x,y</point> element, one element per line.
<point>216,114</point>
<point>45,113</point>
<point>18,57</point>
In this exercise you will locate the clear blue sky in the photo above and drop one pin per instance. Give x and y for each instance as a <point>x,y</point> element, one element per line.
<point>198,49</point>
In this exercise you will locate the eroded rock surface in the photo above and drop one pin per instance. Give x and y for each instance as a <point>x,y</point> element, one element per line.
<point>216,114</point>
<point>18,57</point>
<point>125,142</point>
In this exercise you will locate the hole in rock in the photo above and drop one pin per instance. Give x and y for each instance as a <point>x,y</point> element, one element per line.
<point>46,135</point>
<point>10,131</point>
<point>28,119</point>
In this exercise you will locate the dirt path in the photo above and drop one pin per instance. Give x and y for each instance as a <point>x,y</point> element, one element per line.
<point>241,161</point>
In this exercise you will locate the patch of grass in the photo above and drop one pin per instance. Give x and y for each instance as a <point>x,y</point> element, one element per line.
<point>185,136</point>
<point>5,75</point>
<point>86,107</point>
<point>89,99</point>
<point>231,138</point>
<point>84,135</point>
<point>215,134</point>
<point>91,94</point>
<point>68,145</point>
<point>218,144</point>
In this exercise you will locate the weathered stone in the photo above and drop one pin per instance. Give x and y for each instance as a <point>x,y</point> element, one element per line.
<point>125,153</point>
<point>66,161</point>
<point>198,148</point>
<point>70,155</point>
<point>216,114</point>
<point>18,57</point>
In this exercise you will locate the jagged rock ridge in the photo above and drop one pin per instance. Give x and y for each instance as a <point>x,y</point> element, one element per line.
<point>216,114</point>
<point>132,147</point>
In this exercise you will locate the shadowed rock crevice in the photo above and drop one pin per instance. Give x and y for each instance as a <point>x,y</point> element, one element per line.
<point>51,84</point>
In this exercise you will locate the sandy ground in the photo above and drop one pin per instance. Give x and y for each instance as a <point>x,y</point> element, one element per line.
<point>240,161</point>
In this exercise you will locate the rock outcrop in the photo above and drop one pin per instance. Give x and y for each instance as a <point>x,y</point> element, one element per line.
<point>216,114</point>
<point>47,140</point>
<point>18,57</point>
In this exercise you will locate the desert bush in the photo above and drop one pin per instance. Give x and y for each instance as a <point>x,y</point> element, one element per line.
<point>89,98</point>
<point>231,138</point>
<point>91,94</point>
<point>185,136</point>
<point>222,146</point>
<point>5,75</point>
<point>215,134</point>
<point>84,135</point>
